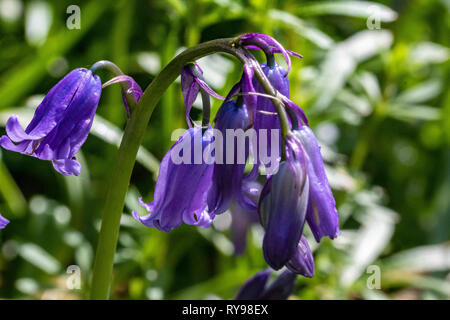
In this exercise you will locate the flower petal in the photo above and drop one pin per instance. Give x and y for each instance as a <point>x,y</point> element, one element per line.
<point>282,287</point>
<point>286,204</point>
<point>302,262</point>
<point>51,110</point>
<point>76,122</point>
<point>227,177</point>
<point>270,41</point>
<point>131,88</point>
<point>67,167</point>
<point>191,82</point>
<point>181,188</point>
<point>3,222</point>
<point>22,147</point>
<point>254,287</point>
<point>15,131</point>
<point>322,215</point>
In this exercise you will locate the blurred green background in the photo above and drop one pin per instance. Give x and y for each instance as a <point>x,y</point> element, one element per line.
<point>373,81</point>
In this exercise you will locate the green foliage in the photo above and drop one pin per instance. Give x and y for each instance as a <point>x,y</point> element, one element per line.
<point>378,101</point>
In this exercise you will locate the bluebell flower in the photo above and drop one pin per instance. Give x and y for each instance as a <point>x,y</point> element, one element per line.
<point>181,188</point>
<point>60,124</point>
<point>282,206</point>
<point>3,222</point>
<point>322,215</point>
<point>228,176</point>
<point>282,287</point>
<point>257,287</point>
<point>254,287</point>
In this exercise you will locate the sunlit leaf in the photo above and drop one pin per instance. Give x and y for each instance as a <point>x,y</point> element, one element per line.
<point>302,29</point>
<point>39,258</point>
<point>359,9</point>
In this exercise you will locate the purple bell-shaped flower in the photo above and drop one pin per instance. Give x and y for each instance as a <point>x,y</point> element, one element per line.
<point>282,206</point>
<point>321,215</point>
<point>228,173</point>
<point>60,124</point>
<point>183,183</point>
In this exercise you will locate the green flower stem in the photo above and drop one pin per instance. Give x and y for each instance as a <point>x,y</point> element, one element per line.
<point>121,174</point>
<point>108,65</point>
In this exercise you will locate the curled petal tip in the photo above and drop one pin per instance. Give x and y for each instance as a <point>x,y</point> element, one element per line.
<point>3,222</point>
<point>275,45</point>
<point>130,88</point>
<point>302,262</point>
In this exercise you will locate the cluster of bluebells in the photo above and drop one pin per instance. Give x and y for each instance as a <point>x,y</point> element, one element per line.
<point>297,192</point>
<point>63,120</point>
<point>194,192</point>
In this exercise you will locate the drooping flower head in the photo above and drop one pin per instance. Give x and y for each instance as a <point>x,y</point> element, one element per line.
<point>182,185</point>
<point>60,124</point>
<point>266,119</point>
<point>3,222</point>
<point>296,193</point>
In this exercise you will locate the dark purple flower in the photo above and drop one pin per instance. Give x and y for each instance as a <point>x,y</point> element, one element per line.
<point>254,287</point>
<point>321,215</point>
<point>257,288</point>
<point>302,262</point>
<point>282,206</point>
<point>281,288</point>
<point>191,83</point>
<point>131,89</point>
<point>3,222</point>
<point>182,185</point>
<point>228,171</point>
<point>60,124</point>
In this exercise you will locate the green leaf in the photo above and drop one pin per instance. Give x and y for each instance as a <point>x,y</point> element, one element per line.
<point>302,29</point>
<point>413,112</point>
<point>341,61</point>
<point>421,259</point>
<point>358,9</point>
<point>39,258</point>
<point>420,93</point>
